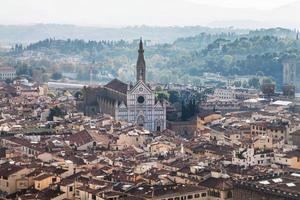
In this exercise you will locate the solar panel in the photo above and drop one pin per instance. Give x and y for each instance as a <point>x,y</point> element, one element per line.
<point>264,182</point>
<point>277,180</point>
<point>291,184</point>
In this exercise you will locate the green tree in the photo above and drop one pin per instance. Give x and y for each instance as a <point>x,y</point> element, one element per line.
<point>174,96</point>
<point>56,76</point>
<point>55,112</point>
<point>267,80</point>
<point>162,95</point>
<point>254,82</point>
<point>78,95</point>
<point>237,83</point>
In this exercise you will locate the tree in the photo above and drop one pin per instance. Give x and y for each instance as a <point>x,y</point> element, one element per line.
<point>237,83</point>
<point>254,82</point>
<point>55,112</point>
<point>23,69</point>
<point>56,76</point>
<point>267,81</point>
<point>174,96</point>
<point>158,89</point>
<point>78,95</point>
<point>162,95</point>
<point>8,81</point>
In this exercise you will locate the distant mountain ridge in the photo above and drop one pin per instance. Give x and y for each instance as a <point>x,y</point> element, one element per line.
<point>33,33</point>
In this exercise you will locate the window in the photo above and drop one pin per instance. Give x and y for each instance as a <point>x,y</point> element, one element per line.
<point>214,194</point>
<point>140,99</point>
<point>203,195</point>
<point>196,195</point>
<point>190,196</point>
<point>71,189</point>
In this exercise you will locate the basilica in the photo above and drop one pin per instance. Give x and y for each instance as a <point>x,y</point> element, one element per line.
<point>140,106</point>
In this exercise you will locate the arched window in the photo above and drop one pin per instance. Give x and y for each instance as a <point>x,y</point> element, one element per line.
<point>140,120</point>
<point>229,194</point>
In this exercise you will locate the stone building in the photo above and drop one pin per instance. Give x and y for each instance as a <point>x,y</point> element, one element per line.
<point>290,74</point>
<point>103,99</point>
<point>7,73</point>
<point>135,104</point>
<point>284,186</point>
<point>140,106</point>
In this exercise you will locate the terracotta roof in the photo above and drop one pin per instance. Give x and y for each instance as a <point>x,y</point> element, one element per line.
<point>217,183</point>
<point>8,169</point>
<point>42,177</point>
<point>80,138</point>
<point>7,69</point>
<point>117,85</point>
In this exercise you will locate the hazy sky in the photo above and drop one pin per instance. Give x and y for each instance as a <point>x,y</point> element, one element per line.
<point>149,12</point>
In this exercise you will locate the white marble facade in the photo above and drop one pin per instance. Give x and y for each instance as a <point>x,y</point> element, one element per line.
<point>141,107</point>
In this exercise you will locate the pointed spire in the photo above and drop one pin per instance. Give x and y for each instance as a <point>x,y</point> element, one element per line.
<point>141,65</point>
<point>141,48</point>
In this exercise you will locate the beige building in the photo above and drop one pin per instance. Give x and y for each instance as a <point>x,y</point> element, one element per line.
<point>158,148</point>
<point>207,117</point>
<point>133,138</point>
<point>290,159</point>
<point>45,180</point>
<point>263,142</point>
<point>13,178</point>
<point>7,73</point>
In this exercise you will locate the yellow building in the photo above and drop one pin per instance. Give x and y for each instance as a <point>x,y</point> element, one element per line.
<point>290,159</point>
<point>157,148</point>
<point>207,117</point>
<point>13,178</point>
<point>45,180</point>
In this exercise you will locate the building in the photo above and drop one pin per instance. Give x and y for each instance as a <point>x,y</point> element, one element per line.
<point>251,157</point>
<point>7,73</point>
<point>268,89</point>
<point>12,178</point>
<point>277,129</point>
<point>141,108</point>
<point>174,192</point>
<point>224,94</point>
<point>289,72</point>
<point>289,159</point>
<point>44,180</point>
<point>284,186</point>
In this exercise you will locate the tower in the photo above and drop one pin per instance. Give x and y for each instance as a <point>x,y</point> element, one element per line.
<point>289,71</point>
<point>140,107</point>
<point>140,64</point>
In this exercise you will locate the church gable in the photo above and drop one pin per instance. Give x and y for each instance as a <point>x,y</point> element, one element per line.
<point>140,88</point>
<point>122,105</point>
<point>158,105</point>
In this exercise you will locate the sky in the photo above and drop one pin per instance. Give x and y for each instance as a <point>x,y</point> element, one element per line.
<point>149,12</point>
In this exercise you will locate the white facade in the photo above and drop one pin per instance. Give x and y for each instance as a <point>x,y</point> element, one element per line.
<point>224,94</point>
<point>7,73</point>
<point>141,108</point>
<point>248,157</point>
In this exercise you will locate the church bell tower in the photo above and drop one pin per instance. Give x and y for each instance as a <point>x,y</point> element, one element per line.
<point>141,65</point>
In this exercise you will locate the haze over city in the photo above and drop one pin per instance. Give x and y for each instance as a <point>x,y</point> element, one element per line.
<point>113,13</point>
<point>149,100</point>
